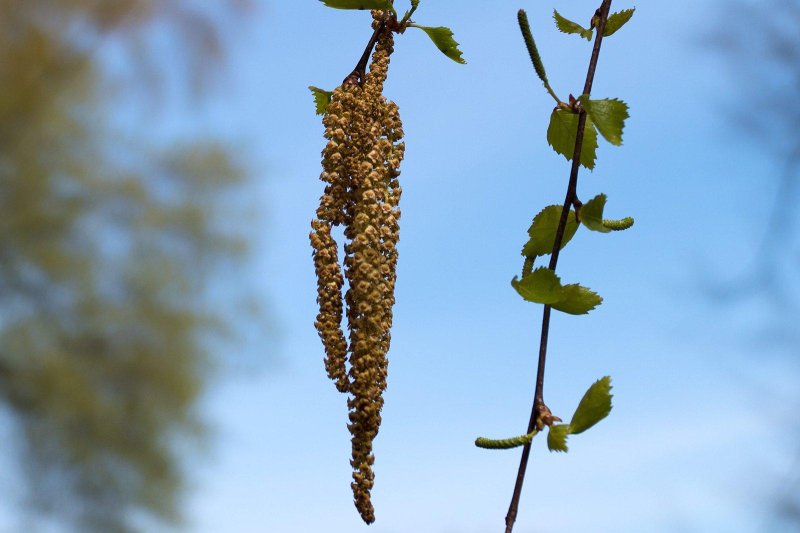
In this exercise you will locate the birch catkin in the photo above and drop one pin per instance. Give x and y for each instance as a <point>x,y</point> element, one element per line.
<point>361,165</point>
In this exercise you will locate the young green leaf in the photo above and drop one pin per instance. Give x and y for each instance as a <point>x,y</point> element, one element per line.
<point>543,231</point>
<point>321,98</point>
<point>542,286</point>
<point>557,438</point>
<point>592,217</point>
<point>595,406</point>
<point>567,26</point>
<point>562,132</point>
<point>617,20</point>
<point>577,300</point>
<point>443,39</point>
<point>360,4</point>
<point>608,116</point>
<point>505,444</point>
<point>592,214</point>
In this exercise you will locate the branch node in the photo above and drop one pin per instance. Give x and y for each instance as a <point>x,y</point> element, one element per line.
<point>544,417</point>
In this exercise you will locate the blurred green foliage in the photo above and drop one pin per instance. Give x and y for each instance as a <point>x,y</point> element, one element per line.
<point>109,247</point>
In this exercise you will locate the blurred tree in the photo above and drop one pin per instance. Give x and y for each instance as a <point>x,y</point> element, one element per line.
<point>764,56</point>
<point>765,66</point>
<point>108,251</point>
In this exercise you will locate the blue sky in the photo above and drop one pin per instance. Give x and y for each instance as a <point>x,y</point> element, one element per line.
<point>696,439</point>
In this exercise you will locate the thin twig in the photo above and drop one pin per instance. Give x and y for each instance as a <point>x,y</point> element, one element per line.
<point>358,74</point>
<point>539,408</point>
<point>407,17</point>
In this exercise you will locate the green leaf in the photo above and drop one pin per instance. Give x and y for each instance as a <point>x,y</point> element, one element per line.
<point>360,4</point>
<point>567,26</point>
<point>543,231</point>
<point>563,131</point>
<point>595,406</point>
<point>557,438</point>
<point>321,98</point>
<point>608,116</point>
<point>443,39</point>
<point>505,444</point>
<point>577,300</point>
<point>543,286</point>
<point>617,20</point>
<point>591,215</point>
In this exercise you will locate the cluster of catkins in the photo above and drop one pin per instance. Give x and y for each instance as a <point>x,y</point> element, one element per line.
<point>361,164</point>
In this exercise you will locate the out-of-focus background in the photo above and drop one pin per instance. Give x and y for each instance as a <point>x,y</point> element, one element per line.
<point>159,369</point>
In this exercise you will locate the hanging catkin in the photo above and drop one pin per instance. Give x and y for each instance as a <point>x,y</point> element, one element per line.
<point>361,164</point>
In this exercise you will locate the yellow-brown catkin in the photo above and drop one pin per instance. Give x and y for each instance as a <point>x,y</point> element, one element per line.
<point>334,210</point>
<point>361,165</point>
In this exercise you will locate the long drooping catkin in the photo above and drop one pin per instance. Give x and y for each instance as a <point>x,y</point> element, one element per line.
<point>370,261</point>
<point>361,165</point>
<point>335,209</point>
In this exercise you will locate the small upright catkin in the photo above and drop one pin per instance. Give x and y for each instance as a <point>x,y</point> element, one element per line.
<point>361,165</point>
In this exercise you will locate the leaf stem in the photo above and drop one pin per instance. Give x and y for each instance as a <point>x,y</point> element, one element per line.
<point>539,407</point>
<point>407,17</point>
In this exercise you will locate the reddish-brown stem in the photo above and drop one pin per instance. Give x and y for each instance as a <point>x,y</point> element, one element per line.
<point>539,408</point>
<point>358,74</point>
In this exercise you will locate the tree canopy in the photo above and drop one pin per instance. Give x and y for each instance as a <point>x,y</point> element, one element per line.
<point>108,249</point>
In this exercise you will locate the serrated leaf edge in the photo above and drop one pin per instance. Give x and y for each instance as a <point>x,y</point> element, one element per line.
<point>603,380</point>
<point>322,99</point>
<point>604,223</point>
<point>577,30</point>
<point>561,291</point>
<point>583,99</point>
<point>450,49</point>
<point>567,236</point>
<point>568,157</point>
<point>559,307</point>
<point>551,440</point>
<point>625,13</point>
